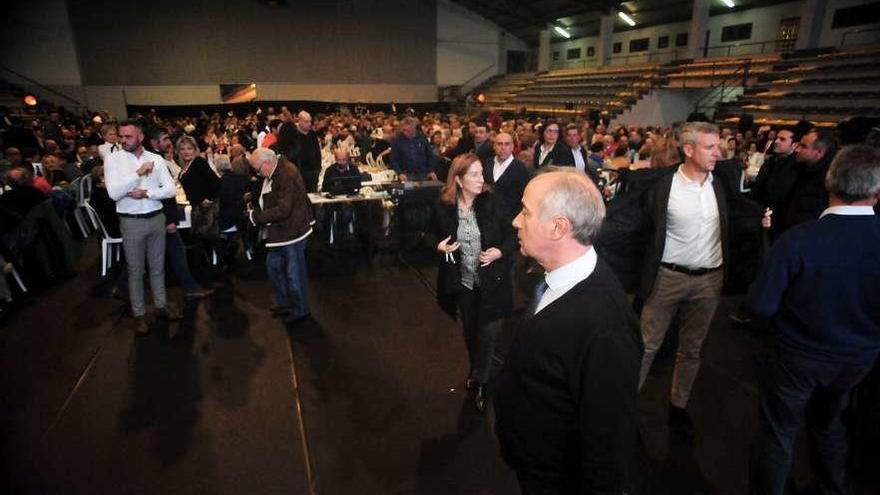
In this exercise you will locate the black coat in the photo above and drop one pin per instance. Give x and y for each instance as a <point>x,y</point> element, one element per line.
<point>231,198</point>
<point>566,397</point>
<point>510,187</point>
<point>200,182</point>
<point>496,286</point>
<point>559,156</point>
<point>633,236</point>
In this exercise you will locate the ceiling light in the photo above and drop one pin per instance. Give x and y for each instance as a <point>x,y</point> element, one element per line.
<point>729,3</point>
<point>562,32</point>
<point>627,19</point>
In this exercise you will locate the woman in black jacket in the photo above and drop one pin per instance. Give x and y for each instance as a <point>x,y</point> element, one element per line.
<point>201,186</point>
<point>474,277</point>
<point>549,150</point>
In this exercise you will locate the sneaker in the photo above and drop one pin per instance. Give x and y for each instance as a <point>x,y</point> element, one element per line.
<point>199,293</point>
<point>141,326</point>
<point>169,312</point>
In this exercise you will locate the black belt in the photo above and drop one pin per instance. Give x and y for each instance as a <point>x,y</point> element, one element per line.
<point>141,215</point>
<point>693,272</point>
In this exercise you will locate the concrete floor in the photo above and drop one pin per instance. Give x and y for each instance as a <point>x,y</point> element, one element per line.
<point>367,397</point>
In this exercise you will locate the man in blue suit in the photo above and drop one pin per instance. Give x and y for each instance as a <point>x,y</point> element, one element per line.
<point>820,293</point>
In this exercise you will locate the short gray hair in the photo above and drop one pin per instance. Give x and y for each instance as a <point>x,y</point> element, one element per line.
<point>222,163</point>
<point>574,197</point>
<point>854,173</point>
<point>689,132</point>
<point>261,155</point>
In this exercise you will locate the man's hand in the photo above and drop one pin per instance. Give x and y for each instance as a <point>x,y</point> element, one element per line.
<point>401,177</point>
<point>171,228</point>
<point>447,247</point>
<point>145,169</point>
<point>432,176</point>
<point>207,202</point>
<point>489,255</point>
<point>767,220</point>
<point>137,193</point>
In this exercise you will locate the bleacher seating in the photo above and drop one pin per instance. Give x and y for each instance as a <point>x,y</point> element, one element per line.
<point>823,88</point>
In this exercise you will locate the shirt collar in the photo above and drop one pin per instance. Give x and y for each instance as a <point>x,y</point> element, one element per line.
<point>688,181</point>
<point>575,271</point>
<point>505,162</point>
<point>848,210</point>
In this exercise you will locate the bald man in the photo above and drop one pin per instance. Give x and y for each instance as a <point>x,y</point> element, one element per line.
<point>507,174</point>
<point>566,399</point>
<point>307,151</point>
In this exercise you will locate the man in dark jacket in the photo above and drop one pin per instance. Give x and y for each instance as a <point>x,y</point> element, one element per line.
<point>285,214</point>
<point>508,175</point>
<point>307,151</point>
<point>566,399</point>
<point>411,155</point>
<point>819,292</point>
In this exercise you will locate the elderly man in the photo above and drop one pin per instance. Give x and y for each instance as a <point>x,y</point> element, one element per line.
<point>138,181</point>
<point>285,213</point>
<point>411,155</point>
<point>111,141</point>
<point>566,399</point>
<point>820,293</point>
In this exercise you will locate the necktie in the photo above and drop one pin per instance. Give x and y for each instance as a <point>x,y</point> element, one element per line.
<point>113,148</point>
<point>540,289</point>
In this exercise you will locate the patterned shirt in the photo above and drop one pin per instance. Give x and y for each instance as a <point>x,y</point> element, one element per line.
<point>469,241</point>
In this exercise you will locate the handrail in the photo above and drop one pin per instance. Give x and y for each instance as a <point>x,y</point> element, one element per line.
<point>41,85</point>
<point>855,31</point>
<point>762,44</point>
<point>740,75</point>
<point>464,84</point>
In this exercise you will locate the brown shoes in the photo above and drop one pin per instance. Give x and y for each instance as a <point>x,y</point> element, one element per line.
<point>141,326</point>
<point>169,312</point>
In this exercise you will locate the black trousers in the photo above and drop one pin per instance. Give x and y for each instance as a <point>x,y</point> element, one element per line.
<point>479,336</point>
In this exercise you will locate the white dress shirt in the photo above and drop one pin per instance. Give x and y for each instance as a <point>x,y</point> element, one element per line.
<point>847,210</point>
<point>562,279</point>
<point>693,224</point>
<point>106,149</point>
<point>120,174</point>
<point>500,167</point>
<point>578,159</point>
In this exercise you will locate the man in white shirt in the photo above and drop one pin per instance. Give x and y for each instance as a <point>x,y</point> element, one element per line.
<point>138,181</point>
<point>507,174</point>
<point>689,216</point>
<point>111,141</point>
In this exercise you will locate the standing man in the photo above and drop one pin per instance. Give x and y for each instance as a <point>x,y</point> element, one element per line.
<point>307,151</point>
<point>285,213</point>
<point>482,144</point>
<point>411,155</point>
<point>138,181</point>
<point>566,398</point>
<point>684,268</point>
<point>508,175</point>
<point>819,290</point>
<point>579,158</point>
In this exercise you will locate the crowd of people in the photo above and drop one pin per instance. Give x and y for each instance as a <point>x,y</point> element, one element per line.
<point>671,215</point>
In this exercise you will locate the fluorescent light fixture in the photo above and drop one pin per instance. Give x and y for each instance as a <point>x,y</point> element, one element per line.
<point>627,19</point>
<point>729,3</point>
<point>562,31</point>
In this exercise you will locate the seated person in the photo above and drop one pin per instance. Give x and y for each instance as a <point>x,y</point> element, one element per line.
<point>104,206</point>
<point>341,168</point>
<point>23,195</point>
<point>342,213</point>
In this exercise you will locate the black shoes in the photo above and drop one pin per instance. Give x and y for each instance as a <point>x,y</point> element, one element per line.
<point>279,311</point>
<point>680,422</point>
<point>290,319</point>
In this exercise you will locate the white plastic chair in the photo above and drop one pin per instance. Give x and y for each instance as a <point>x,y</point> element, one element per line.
<point>18,279</point>
<point>107,242</point>
<point>76,186</point>
<point>370,160</point>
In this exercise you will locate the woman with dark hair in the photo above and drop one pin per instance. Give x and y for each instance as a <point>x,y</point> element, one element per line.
<point>550,150</point>
<point>474,276</point>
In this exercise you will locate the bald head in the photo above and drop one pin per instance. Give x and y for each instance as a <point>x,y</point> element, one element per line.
<point>341,156</point>
<point>503,146</point>
<point>304,122</point>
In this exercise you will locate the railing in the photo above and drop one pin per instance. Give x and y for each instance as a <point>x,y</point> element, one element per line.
<point>853,32</point>
<point>646,58</point>
<point>40,85</point>
<point>751,48</point>
<point>716,93</point>
<point>464,86</point>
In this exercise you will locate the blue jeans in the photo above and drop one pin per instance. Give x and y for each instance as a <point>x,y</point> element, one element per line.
<point>176,253</point>
<point>286,266</point>
<point>793,386</point>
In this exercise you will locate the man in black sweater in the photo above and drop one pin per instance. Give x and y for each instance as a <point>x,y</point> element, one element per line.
<point>566,399</point>
<point>307,151</point>
<point>820,293</point>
